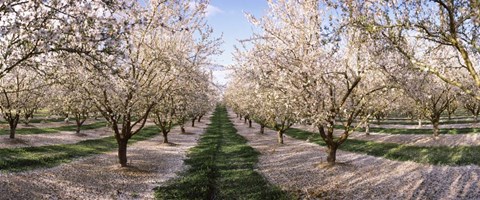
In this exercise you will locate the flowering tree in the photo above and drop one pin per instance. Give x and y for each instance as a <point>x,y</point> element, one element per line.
<point>431,96</point>
<point>389,101</point>
<point>318,67</point>
<point>189,96</point>
<point>414,29</point>
<point>127,85</point>
<point>258,91</point>
<point>32,28</point>
<point>472,105</point>
<point>21,94</point>
<point>69,100</point>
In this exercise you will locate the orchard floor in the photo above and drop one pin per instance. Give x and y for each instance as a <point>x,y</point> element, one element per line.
<point>48,124</point>
<point>63,137</point>
<point>299,167</point>
<point>411,139</point>
<point>426,126</point>
<point>100,177</point>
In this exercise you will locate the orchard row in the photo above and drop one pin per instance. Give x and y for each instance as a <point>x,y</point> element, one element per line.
<point>125,60</point>
<point>322,62</point>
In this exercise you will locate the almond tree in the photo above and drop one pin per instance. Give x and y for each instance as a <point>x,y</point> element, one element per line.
<point>68,99</point>
<point>472,105</point>
<point>431,96</point>
<point>257,77</point>
<point>21,93</point>
<point>390,102</point>
<point>189,96</point>
<point>317,65</point>
<point>415,28</point>
<point>126,86</point>
<point>32,28</point>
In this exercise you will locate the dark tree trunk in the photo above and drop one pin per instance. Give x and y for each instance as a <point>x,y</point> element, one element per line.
<point>193,122</point>
<point>78,128</point>
<point>262,129</point>
<point>280,137</point>
<point>122,152</point>
<point>13,122</point>
<point>165,137</point>
<point>249,123</point>
<point>332,154</point>
<point>183,129</point>
<point>12,133</point>
<point>436,131</point>
<point>245,120</point>
<point>200,118</point>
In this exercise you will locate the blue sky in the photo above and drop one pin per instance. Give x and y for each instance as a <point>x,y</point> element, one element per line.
<point>227,17</point>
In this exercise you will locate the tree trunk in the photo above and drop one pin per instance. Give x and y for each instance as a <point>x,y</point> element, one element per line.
<point>122,152</point>
<point>183,129</point>
<point>435,128</point>
<point>165,137</point>
<point>13,127</point>
<point>262,129</point>
<point>475,118</point>
<point>193,122</point>
<point>199,118</point>
<point>280,137</point>
<point>78,128</point>
<point>419,122</point>
<point>332,154</point>
<point>249,123</point>
<point>12,133</point>
<point>367,128</point>
<point>79,123</point>
<point>245,120</point>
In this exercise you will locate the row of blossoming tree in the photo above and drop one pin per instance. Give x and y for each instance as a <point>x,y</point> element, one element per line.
<point>326,63</point>
<point>128,61</point>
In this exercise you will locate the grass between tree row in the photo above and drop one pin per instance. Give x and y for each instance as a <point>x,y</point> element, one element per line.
<point>442,155</point>
<point>409,122</point>
<point>452,131</point>
<point>27,131</point>
<point>21,159</point>
<point>39,120</point>
<point>221,167</point>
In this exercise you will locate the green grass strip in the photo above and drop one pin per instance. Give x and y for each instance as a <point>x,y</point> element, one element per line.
<point>221,167</point>
<point>27,131</point>
<point>21,159</point>
<point>408,122</point>
<point>441,155</point>
<point>39,120</point>
<point>452,131</point>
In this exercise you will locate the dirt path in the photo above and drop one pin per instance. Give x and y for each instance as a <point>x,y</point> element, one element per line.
<point>298,166</point>
<point>100,177</point>
<point>411,139</point>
